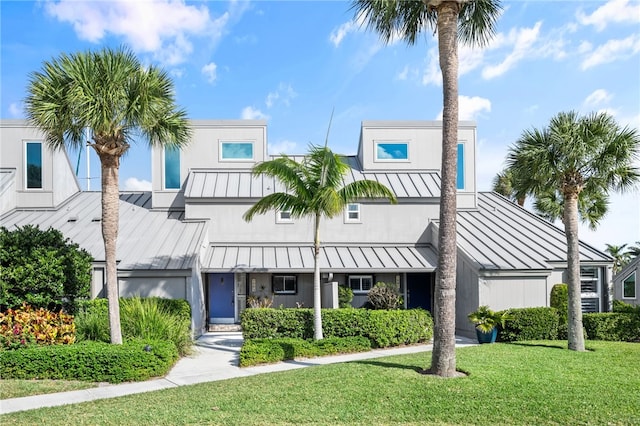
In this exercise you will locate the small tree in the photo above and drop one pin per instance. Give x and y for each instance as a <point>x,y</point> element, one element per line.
<point>42,269</point>
<point>384,296</point>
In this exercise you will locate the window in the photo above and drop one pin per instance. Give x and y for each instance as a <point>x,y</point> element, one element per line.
<point>236,151</point>
<point>171,168</point>
<point>460,176</point>
<point>352,213</point>
<point>285,284</point>
<point>33,163</point>
<point>284,216</point>
<point>629,287</point>
<point>392,151</point>
<point>360,283</point>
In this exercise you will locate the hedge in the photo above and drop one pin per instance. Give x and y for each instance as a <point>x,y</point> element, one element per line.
<point>615,326</point>
<point>135,360</point>
<point>179,307</point>
<point>264,351</point>
<point>531,324</point>
<point>383,328</point>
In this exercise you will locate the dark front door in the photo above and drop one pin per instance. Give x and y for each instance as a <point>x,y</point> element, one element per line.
<point>419,291</point>
<point>221,296</point>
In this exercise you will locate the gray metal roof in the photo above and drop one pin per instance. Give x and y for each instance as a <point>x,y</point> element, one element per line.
<point>147,239</point>
<point>333,258</point>
<point>500,235</point>
<point>210,183</point>
<point>7,177</point>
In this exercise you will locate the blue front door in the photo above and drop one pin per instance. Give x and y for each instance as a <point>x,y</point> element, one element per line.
<point>221,297</point>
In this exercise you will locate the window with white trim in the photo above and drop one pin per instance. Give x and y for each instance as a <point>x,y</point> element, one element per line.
<point>171,168</point>
<point>391,151</point>
<point>236,151</point>
<point>629,286</point>
<point>284,216</point>
<point>352,212</point>
<point>285,284</point>
<point>33,165</point>
<point>360,283</point>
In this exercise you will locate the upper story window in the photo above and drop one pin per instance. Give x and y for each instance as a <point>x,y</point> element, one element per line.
<point>236,151</point>
<point>392,151</point>
<point>33,165</point>
<point>284,216</point>
<point>629,286</point>
<point>171,168</point>
<point>360,283</point>
<point>352,213</point>
<point>460,176</point>
<point>285,284</point>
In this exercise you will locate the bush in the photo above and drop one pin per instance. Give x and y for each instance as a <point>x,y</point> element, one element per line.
<point>616,326</point>
<point>384,296</point>
<point>382,328</point>
<point>620,306</point>
<point>345,297</point>
<point>530,324</point>
<point>560,300</point>
<point>42,269</point>
<point>91,361</point>
<point>264,351</point>
<point>23,327</point>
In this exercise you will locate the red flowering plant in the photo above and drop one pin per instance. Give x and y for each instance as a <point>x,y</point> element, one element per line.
<point>23,327</point>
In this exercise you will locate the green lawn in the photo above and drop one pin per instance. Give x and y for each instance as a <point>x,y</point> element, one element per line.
<point>508,384</point>
<point>18,388</point>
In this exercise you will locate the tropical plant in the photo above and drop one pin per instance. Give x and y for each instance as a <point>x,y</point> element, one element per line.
<point>578,160</point>
<point>634,251</point>
<point>314,188</point>
<point>345,296</point>
<point>485,319</point>
<point>117,98</point>
<point>471,22</point>
<point>384,296</point>
<point>620,257</point>
<point>503,184</point>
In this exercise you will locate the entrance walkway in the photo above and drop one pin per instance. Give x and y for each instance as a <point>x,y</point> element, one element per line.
<point>215,358</point>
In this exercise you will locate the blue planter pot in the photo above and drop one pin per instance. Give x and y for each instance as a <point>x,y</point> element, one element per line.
<point>489,337</point>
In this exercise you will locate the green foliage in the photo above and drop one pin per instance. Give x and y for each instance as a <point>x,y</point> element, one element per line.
<point>42,269</point>
<point>134,360</point>
<point>345,296</point>
<point>382,328</point>
<point>560,300</point>
<point>618,326</point>
<point>384,296</point>
<point>486,319</point>
<point>620,306</point>
<point>264,351</point>
<point>530,324</point>
<point>23,327</point>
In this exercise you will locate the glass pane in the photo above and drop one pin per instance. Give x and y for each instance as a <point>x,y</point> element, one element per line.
<point>237,151</point>
<point>460,176</point>
<point>172,168</point>
<point>366,283</point>
<point>392,151</point>
<point>284,215</point>
<point>34,165</point>
<point>629,287</point>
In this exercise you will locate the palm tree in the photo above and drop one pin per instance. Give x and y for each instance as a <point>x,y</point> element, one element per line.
<point>634,251</point>
<point>576,155</point>
<point>620,257</point>
<point>503,183</point>
<point>472,22</point>
<point>110,93</point>
<point>314,188</point>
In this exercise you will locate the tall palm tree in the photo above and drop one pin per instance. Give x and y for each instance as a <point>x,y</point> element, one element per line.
<point>620,257</point>
<point>634,250</point>
<point>314,188</point>
<point>471,22</point>
<point>574,155</point>
<point>503,184</point>
<point>113,95</point>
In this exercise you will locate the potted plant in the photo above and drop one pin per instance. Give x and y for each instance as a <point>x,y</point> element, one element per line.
<point>487,322</point>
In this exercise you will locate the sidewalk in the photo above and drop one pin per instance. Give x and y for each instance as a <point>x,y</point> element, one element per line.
<point>215,358</point>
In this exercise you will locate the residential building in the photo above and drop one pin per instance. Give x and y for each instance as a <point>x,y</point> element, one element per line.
<point>625,283</point>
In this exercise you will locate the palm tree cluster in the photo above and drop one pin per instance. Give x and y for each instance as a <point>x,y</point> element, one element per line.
<point>621,257</point>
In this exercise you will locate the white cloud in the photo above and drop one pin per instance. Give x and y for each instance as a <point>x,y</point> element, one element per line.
<point>283,94</point>
<point>338,34</point>
<point>585,47</point>
<point>523,41</point>
<point>161,27</point>
<point>469,108</point>
<point>612,51</point>
<point>614,11</point>
<point>209,71</point>
<point>598,97</point>
<point>16,110</point>
<point>282,147</point>
<point>251,113</point>
<point>135,184</point>
<point>469,58</point>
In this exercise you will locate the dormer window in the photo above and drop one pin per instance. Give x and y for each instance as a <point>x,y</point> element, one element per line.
<point>171,168</point>
<point>33,165</point>
<point>392,151</point>
<point>236,151</point>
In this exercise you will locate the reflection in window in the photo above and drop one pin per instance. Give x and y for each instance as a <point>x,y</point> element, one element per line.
<point>460,176</point>
<point>34,165</point>
<point>629,287</point>
<point>392,151</point>
<point>284,216</point>
<point>353,212</point>
<point>360,283</point>
<point>236,150</point>
<point>171,168</point>
<point>285,284</point>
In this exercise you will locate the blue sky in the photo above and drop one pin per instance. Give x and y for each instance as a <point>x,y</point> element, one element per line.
<point>293,62</point>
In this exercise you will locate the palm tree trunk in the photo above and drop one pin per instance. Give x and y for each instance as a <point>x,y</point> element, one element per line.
<point>443,357</point>
<point>110,215</point>
<point>317,300</point>
<point>574,320</point>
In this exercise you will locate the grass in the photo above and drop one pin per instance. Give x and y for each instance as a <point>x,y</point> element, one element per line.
<point>19,388</point>
<point>508,384</point>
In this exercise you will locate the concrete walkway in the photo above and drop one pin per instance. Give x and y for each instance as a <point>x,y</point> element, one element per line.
<point>215,358</point>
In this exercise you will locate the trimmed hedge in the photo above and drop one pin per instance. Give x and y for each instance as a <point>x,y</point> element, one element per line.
<point>91,361</point>
<point>382,328</point>
<point>614,326</point>
<point>531,324</point>
<point>265,351</point>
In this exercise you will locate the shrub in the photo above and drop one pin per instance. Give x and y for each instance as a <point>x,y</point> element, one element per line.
<point>560,300</point>
<point>91,361</point>
<point>345,297</point>
<point>617,326</point>
<point>530,324</point>
<point>264,351</point>
<point>274,323</point>
<point>42,269</point>
<point>620,306</point>
<point>23,327</point>
<point>384,296</point>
